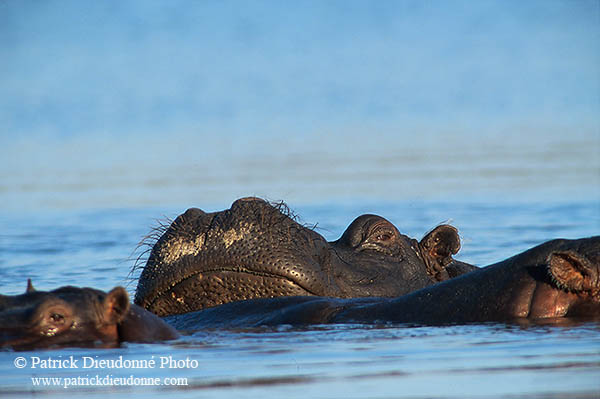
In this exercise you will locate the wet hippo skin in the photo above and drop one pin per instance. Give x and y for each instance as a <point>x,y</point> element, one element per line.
<point>72,316</point>
<point>257,249</point>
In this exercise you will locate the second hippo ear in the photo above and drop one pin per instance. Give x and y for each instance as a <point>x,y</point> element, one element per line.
<point>439,245</point>
<point>571,271</point>
<point>116,305</point>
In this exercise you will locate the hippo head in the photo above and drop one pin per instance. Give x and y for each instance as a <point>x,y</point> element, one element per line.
<point>577,275</point>
<point>256,250</point>
<point>561,278</point>
<point>66,316</point>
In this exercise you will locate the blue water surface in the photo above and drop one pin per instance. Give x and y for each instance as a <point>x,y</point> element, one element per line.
<point>116,117</point>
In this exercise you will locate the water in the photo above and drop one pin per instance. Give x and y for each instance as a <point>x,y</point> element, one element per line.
<point>482,114</point>
<point>96,248</point>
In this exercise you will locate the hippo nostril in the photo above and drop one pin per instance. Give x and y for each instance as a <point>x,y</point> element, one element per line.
<point>189,218</point>
<point>244,203</point>
<point>249,199</point>
<point>193,213</point>
<point>245,200</point>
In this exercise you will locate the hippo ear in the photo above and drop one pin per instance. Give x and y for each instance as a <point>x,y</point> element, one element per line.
<point>29,286</point>
<point>438,246</point>
<point>116,305</point>
<point>572,271</point>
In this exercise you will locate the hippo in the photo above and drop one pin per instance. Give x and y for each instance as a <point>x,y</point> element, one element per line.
<point>257,249</point>
<point>72,316</point>
<point>555,282</point>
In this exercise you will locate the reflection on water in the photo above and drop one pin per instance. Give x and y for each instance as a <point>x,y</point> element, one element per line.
<point>94,248</point>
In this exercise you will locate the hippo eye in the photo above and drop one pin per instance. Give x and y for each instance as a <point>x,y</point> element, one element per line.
<point>57,318</point>
<point>384,237</point>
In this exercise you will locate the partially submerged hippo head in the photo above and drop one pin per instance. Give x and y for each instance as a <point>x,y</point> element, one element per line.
<point>72,316</point>
<point>256,250</point>
<point>570,285</point>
